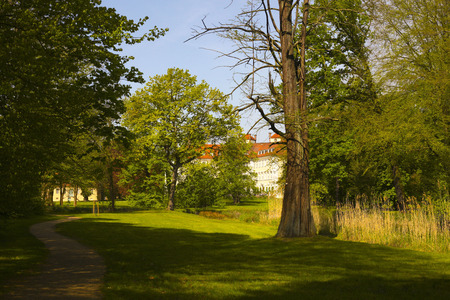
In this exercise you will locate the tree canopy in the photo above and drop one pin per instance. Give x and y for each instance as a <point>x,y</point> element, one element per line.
<point>173,118</point>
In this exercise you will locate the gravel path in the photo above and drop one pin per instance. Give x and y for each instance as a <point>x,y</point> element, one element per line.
<point>72,271</point>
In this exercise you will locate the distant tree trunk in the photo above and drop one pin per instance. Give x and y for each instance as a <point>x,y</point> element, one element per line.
<point>173,186</point>
<point>399,191</point>
<point>296,220</point>
<point>112,192</point>
<point>100,193</point>
<point>62,191</point>
<point>75,196</point>
<point>50,197</point>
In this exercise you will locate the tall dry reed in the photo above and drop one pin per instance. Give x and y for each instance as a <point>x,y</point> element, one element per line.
<point>419,227</point>
<point>275,204</point>
<point>416,228</point>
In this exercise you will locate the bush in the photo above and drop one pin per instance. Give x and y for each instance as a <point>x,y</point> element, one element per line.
<point>199,187</point>
<point>146,200</point>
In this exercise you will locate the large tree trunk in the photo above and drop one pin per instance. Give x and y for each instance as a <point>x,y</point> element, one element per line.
<point>172,188</point>
<point>296,220</point>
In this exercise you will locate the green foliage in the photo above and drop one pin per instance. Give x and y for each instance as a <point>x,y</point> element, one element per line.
<point>339,81</point>
<point>338,70</point>
<point>144,178</point>
<point>228,176</point>
<point>388,139</point>
<point>62,75</point>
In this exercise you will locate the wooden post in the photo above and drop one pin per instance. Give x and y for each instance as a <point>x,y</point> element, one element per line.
<point>94,206</point>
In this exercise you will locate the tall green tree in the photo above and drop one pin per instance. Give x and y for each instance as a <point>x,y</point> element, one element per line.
<point>173,117</point>
<point>235,177</point>
<point>61,74</point>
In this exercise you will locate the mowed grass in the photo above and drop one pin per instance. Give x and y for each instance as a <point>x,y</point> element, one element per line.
<point>174,255</point>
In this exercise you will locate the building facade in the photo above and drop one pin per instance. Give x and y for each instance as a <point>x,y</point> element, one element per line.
<point>68,194</point>
<point>267,163</point>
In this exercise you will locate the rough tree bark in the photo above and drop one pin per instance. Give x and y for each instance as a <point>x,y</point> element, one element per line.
<point>296,220</point>
<point>172,187</point>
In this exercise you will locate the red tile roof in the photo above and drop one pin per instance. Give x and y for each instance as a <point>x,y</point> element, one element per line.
<point>265,149</point>
<point>275,136</point>
<point>209,151</point>
<point>257,150</point>
<point>249,137</point>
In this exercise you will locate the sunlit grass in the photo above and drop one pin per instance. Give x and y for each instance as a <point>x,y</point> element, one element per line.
<point>173,255</point>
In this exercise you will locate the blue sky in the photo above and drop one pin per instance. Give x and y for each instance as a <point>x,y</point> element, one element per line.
<point>181,16</point>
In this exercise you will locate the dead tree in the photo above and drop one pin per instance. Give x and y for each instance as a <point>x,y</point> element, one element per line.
<point>265,43</point>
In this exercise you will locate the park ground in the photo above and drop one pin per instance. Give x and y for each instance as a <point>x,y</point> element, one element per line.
<point>178,255</point>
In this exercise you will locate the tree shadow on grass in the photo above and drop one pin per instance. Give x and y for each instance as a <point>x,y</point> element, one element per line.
<point>170,263</point>
<point>251,202</point>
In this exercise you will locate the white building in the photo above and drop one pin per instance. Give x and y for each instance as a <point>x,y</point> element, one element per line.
<point>68,194</point>
<point>266,163</point>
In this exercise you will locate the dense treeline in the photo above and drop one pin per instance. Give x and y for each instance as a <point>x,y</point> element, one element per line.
<point>376,83</point>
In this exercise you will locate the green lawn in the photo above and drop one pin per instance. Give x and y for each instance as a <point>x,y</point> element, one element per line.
<point>20,252</point>
<point>173,255</point>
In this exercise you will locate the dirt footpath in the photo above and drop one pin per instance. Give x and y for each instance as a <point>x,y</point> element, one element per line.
<point>72,271</point>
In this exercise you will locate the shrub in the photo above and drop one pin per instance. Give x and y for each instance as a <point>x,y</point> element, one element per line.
<point>199,187</point>
<point>212,215</point>
<point>146,200</point>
